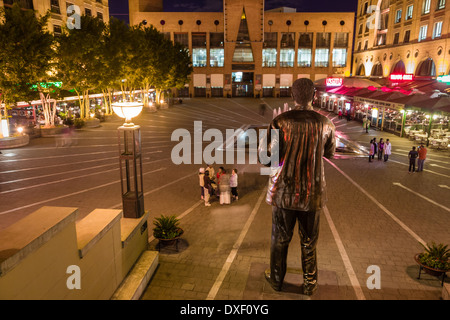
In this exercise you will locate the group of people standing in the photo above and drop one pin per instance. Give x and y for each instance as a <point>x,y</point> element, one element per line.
<point>420,154</point>
<point>222,185</point>
<point>381,149</point>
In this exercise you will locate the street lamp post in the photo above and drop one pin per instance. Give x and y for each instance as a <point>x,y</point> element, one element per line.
<point>130,160</point>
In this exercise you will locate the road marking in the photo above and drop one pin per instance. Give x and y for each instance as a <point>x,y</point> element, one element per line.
<point>72,194</point>
<point>159,188</point>
<point>390,214</point>
<point>422,196</point>
<point>241,105</point>
<point>348,266</point>
<point>404,164</point>
<point>444,186</point>
<point>436,165</point>
<point>428,158</point>
<point>219,280</point>
<point>67,179</point>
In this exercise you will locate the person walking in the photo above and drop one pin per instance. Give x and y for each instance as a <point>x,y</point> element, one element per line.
<point>422,156</point>
<point>366,124</point>
<point>387,150</point>
<point>296,190</point>
<point>372,150</point>
<point>340,113</point>
<point>413,154</point>
<point>206,188</point>
<point>262,108</point>
<point>380,149</point>
<point>224,186</point>
<point>234,184</point>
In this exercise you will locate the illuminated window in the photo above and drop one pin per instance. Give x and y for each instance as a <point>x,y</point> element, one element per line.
<point>287,57</point>
<point>304,57</point>
<point>216,51</point>
<point>409,12</point>
<point>398,16</point>
<point>269,54</point>
<point>437,30</point>
<point>339,57</point>
<point>199,49</point>
<point>322,57</point>
<point>322,52</point>
<point>287,52</point>
<point>340,49</point>
<point>426,6</point>
<point>199,57</point>
<point>269,57</point>
<point>423,33</point>
<point>216,57</point>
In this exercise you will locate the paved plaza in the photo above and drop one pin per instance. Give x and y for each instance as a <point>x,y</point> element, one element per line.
<point>377,213</point>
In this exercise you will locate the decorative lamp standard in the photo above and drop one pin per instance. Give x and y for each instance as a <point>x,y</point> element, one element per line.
<point>130,159</point>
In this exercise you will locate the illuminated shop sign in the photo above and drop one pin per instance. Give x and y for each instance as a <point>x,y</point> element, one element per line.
<point>401,77</point>
<point>445,78</point>
<point>334,82</point>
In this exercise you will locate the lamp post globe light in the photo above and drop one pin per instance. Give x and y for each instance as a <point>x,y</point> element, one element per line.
<point>130,159</point>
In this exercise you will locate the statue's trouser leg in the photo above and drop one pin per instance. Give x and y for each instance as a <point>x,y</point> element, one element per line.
<point>283,223</point>
<point>309,234</point>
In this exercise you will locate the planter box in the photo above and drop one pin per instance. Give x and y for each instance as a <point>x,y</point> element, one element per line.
<point>14,142</point>
<point>52,132</point>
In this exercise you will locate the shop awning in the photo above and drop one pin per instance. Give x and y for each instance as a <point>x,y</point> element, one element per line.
<point>436,104</point>
<point>411,99</point>
<point>424,86</point>
<point>390,96</point>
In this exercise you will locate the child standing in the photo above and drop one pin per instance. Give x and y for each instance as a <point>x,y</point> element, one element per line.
<point>234,184</point>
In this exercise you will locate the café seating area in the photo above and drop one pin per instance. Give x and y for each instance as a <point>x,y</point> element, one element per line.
<point>439,139</point>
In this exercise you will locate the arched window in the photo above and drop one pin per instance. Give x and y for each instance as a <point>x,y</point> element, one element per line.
<point>361,71</point>
<point>426,68</point>
<point>377,70</point>
<point>398,67</point>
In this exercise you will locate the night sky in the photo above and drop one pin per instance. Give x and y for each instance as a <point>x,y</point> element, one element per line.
<point>119,8</point>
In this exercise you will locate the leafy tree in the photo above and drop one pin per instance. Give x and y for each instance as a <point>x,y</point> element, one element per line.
<point>79,59</point>
<point>26,55</point>
<point>114,56</point>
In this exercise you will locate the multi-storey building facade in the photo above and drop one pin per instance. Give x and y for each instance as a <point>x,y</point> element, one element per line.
<point>402,37</point>
<point>247,51</point>
<point>60,10</point>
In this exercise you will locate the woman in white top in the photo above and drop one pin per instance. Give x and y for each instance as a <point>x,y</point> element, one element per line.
<point>387,150</point>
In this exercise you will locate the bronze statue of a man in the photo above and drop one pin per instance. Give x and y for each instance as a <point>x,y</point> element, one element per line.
<point>297,190</point>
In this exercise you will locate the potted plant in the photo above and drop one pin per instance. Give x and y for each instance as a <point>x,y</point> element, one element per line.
<point>167,230</point>
<point>435,260</point>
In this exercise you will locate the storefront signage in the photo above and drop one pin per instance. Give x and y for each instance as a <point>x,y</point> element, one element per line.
<point>445,78</point>
<point>401,77</point>
<point>374,102</point>
<point>334,82</point>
